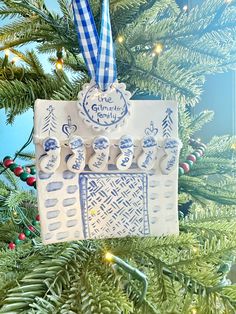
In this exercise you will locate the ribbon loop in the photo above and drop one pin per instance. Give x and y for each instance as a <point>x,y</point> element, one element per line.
<point>98,52</point>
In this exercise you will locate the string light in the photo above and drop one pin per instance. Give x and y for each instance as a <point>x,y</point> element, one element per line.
<point>233,146</point>
<point>60,61</point>
<point>228,1</point>
<point>108,257</point>
<point>194,311</point>
<point>59,64</point>
<point>120,39</point>
<point>158,48</point>
<point>185,8</point>
<point>195,249</point>
<point>7,52</point>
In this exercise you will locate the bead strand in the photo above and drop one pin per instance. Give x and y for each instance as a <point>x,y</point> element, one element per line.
<point>27,232</point>
<point>24,173</point>
<point>198,153</point>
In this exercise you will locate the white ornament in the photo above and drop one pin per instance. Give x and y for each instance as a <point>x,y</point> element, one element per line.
<point>104,111</point>
<point>98,161</point>
<point>170,160</point>
<point>50,161</point>
<point>147,159</point>
<point>125,159</point>
<point>76,162</point>
<point>109,197</point>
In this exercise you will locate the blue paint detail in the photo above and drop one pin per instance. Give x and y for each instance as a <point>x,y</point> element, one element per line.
<point>53,214</point>
<point>172,146</point>
<point>62,235</point>
<point>120,200</point>
<point>69,201</point>
<point>126,142</point>
<point>51,202</point>
<point>54,226</point>
<point>67,175</point>
<point>88,111</point>
<point>78,143</point>
<point>71,189</point>
<point>71,223</point>
<point>44,176</point>
<point>69,128</point>
<point>100,143</point>
<point>149,141</point>
<point>54,186</point>
<point>50,122</point>
<point>71,212</point>
<point>151,130</point>
<point>50,144</point>
<point>167,123</point>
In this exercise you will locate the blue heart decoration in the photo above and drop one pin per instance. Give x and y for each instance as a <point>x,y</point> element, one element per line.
<point>69,128</point>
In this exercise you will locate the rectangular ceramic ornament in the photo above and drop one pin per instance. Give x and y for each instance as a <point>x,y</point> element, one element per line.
<point>112,202</point>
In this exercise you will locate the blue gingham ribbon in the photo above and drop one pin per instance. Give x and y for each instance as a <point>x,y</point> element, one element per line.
<point>98,51</point>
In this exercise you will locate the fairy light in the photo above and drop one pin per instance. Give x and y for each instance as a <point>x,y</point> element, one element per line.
<point>228,1</point>
<point>233,146</point>
<point>59,64</point>
<point>120,39</point>
<point>108,257</point>
<point>185,8</point>
<point>60,61</point>
<point>7,52</point>
<point>195,249</point>
<point>194,311</point>
<point>158,48</point>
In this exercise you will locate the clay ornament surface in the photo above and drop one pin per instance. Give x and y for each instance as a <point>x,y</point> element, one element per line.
<point>94,185</point>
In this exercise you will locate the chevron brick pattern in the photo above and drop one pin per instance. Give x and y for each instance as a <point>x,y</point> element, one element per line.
<point>114,205</point>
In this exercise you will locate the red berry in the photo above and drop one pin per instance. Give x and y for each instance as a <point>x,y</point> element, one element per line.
<point>21,236</point>
<point>31,228</point>
<point>38,218</point>
<point>8,162</point>
<point>18,171</point>
<point>192,158</point>
<point>185,166</point>
<point>11,246</point>
<point>30,181</point>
